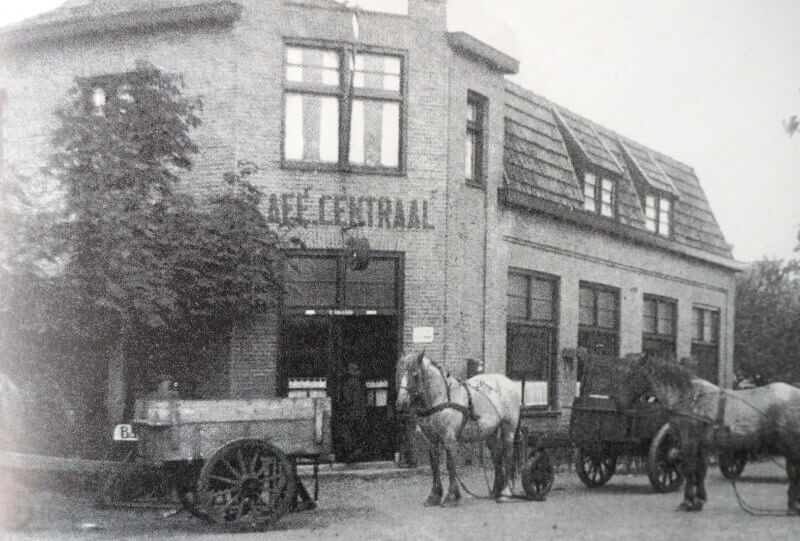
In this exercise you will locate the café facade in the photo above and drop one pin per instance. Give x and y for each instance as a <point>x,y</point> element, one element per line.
<point>439,205</point>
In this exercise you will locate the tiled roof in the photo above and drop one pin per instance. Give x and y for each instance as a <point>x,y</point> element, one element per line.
<point>538,139</point>
<point>78,17</point>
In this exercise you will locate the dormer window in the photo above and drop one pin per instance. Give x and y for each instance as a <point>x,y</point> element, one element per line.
<point>599,194</point>
<point>658,214</point>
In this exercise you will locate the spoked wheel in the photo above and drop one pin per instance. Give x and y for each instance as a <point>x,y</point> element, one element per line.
<point>247,484</point>
<point>538,475</point>
<point>732,463</point>
<point>664,461</point>
<point>594,468</point>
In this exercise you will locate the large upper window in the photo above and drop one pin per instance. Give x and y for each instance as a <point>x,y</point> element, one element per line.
<point>599,194</point>
<point>705,342</point>
<point>598,318</point>
<point>532,324</point>
<point>343,113</point>
<point>658,214</point>
<point>473,155</point>
<point>658,326</point>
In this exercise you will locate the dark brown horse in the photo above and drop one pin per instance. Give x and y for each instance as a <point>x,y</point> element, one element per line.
<point>485,407</point>
<point>707,418</point>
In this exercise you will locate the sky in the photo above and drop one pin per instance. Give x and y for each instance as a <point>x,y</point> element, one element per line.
<point>707,82</point>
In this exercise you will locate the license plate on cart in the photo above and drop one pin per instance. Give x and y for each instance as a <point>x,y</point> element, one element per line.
<point>125,433</point>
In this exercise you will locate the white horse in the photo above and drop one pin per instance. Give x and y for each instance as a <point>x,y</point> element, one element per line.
<point>485,407</point>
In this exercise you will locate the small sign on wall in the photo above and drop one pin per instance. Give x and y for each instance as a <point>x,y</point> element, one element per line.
<point>423,335</point>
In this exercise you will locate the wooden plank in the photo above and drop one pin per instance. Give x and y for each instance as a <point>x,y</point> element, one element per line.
<point>162,412</point>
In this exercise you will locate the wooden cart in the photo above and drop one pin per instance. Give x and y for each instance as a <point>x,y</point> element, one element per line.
<point>234,462</point>
<point>601,431</point>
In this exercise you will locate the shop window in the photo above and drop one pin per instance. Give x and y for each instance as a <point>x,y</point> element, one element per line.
<point>658,214</point>
<point>598,318</point>
<point>343,114</point>
<point>658,326</point>
<point>474,152</point>
<point>705,342</point>
<point>599,195</point>
<point>532,325</point>
<point>326,281</point>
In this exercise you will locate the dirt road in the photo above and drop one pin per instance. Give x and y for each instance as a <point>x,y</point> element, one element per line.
<point>392,509</point>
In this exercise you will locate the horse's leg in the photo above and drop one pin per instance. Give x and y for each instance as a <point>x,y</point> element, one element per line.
<point>688,462</point>
<point>495,446</point>
<point>453,491</point>
<point>507,434</point>
<point>794,485</point>
<point>701,468</point>
<point>435,498</point>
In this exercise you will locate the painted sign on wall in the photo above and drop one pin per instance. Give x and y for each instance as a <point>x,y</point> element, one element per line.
<point>301,208</point>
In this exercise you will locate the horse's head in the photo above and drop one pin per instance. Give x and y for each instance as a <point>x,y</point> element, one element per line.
<point>636,383</point>
<point>667,381</point>
<point>418,379</point>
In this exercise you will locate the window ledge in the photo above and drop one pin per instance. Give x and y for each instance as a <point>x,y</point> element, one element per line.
<point>335,168</point>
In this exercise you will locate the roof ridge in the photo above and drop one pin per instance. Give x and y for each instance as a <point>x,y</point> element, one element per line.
<point>608,132</point>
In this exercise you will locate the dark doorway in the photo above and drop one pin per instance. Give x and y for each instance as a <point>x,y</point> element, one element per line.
<point>317,354</point>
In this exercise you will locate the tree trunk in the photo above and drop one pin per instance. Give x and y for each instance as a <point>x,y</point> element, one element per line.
<point>115,384</point>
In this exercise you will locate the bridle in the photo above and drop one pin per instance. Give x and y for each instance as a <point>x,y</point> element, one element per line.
<point>419,397</point>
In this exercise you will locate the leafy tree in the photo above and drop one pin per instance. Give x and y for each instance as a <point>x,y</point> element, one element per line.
<point>767,330</point>
<point>138,254</point>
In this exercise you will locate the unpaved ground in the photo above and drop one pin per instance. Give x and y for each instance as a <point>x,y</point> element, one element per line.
<point>392,509</point>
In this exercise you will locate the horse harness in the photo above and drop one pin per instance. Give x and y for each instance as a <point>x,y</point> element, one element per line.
<point>467,412</point>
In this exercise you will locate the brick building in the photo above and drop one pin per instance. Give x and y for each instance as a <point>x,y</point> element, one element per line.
<point>502,227</point>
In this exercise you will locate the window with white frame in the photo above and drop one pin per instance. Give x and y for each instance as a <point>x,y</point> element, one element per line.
<point>705,342</point>
<point>598,321</point>
<point>658,214</point>
<point>532,326</point>
<point>599,194</point>
<point>343,113</point>
<point>659,326</point>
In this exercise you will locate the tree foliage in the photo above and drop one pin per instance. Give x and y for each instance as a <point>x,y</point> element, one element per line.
<point>767,333</point>
<point>137,259</point>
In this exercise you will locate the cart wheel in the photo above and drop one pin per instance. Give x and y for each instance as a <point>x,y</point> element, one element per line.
<point>594,469</point>
<point>664,461</point>
<point>247,484</point>
<point>537,476</point>
<point>732,463</point>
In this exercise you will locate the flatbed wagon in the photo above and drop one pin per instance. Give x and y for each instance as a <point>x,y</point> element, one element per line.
<point>600,431</point>
<point>234,462</point>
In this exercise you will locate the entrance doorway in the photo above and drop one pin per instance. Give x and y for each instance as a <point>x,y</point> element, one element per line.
<point>319,356</point>
<point>340,336</point>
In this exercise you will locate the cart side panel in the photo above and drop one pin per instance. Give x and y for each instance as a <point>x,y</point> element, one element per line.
<point>195,429</point>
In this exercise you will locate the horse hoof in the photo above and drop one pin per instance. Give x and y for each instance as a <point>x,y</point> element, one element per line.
<point>502,499</point>
<point>433,501</point>
<point>690,507</point>
<point>451,501</point>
